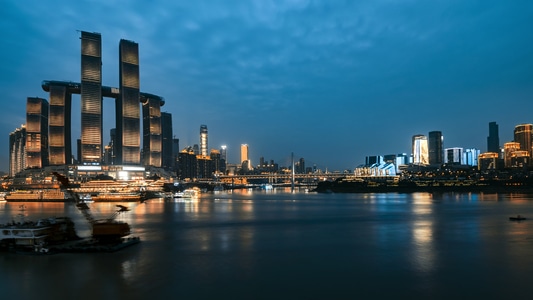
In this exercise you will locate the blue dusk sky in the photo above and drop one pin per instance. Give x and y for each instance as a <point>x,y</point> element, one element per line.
<point>331,81</point>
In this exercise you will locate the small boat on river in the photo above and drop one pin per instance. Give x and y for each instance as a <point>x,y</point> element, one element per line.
<point>517,218</point>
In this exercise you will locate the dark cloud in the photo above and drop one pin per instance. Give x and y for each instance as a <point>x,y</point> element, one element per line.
<point>332,81</point>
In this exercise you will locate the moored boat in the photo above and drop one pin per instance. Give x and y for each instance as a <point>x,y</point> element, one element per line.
<point>35,236</point>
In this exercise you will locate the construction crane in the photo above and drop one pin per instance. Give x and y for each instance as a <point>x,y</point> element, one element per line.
<point>104,230</point>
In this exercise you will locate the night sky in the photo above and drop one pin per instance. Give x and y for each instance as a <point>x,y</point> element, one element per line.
<point>331,81</point>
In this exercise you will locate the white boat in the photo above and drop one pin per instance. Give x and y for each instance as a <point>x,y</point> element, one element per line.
<point>188,193</point>
<point>191,193</point>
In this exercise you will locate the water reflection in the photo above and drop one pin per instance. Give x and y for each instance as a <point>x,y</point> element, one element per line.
<point>423,247</point>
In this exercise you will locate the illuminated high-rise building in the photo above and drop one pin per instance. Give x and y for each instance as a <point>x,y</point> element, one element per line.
<point>488,161</point>
<point>453,156</point>
<point>244,152</point>
<point>91,98</point>
<point>152,135</point>
<point>493,140</point>
<point>36,133</point>
<point>59,125</point>
<point>203,140</point>
<point>17,150</point>
<point>245,158</point>
<point>128,110</point>
<point>224,153</point>
<point>508,150</point>
<point>223,158</point>
<point>523,135</point>
<point>420,150</point>
<point>470,156</point>
<point>435,148</point>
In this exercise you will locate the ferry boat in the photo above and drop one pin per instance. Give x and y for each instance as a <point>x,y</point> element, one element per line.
<point>117,197</point>
<point>188,193</point>
<point>35,196</point>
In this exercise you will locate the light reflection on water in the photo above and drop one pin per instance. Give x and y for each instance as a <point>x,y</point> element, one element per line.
<point>283,245</point>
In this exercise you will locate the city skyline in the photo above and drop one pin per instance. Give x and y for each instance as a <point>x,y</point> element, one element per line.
<point>330,83</point>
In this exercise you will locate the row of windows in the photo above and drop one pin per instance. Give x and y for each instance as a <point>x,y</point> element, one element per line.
<point>131,155</point>
<point>91,69</point>
<point>91,44</point>
<point>57,155</point>
<point>129,52</point>
<point>130,76</point>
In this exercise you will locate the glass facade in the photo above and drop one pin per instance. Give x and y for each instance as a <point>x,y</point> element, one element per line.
<point>37,110</point>
<point>203,140</point>
<point>91,98</point>
<point>60,123</point>
<point>453,156</point>
<point>152,135</point>
<point>420,150</point>
<point>167,152</point>
<point>493,140</point>
<point>17,150</point>
<point>127,106</point>
<point>435,148</point>
<point>523,135</point>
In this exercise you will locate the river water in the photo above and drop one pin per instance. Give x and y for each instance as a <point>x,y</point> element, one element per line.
<point>282,245</point>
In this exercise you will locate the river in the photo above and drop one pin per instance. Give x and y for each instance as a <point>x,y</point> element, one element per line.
<point>254,244</point>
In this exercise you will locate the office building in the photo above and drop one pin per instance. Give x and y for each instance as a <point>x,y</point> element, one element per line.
<point>127,105</point>
<point>17,150</point>
<point>214,155</point>
<point>167,153</point>
<point>91,98</point>
<point>488,161</point>
<point>37,110</point>
<point>493,140</point>
<point>523,135</point>
<point>244,153</point>
<point>60,144</point>
<point>453,156</point>
<point>373,160</point>
<point>470,156</point>
<point>420,150</point>
<point>246,164</point>
<point>203,140</point>
<point>435,142</point>
<point>509,150</point>
<point>187,165</point>
<point>152,133</point>
<point>175,153</point>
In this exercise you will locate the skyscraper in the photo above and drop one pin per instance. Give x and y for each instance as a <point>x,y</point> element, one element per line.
<point>167,152</point>
<point>59,125</point>
<point>420,150</point>
<point>453,156</point>
<point>245,159</point>
<point>152,137</point>
<point>223,152</point>
<point>523,134</point>
<point>508,150</point>
<point>203,140</point>
<point>435,148</point>
<point>493,140</point>
<point>17,150</point>
<point>127,106</point>
<point>36,133</point>
<point>244,152</point>
<point>91,98</point>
